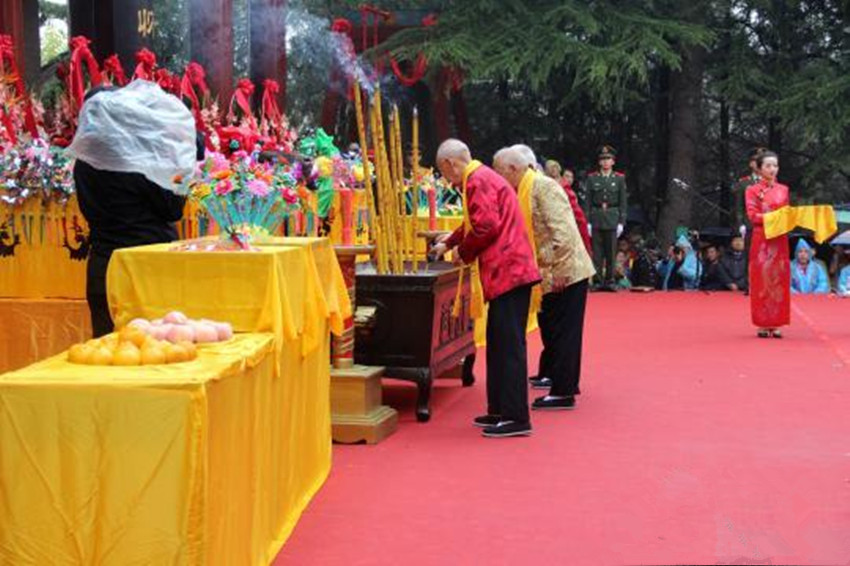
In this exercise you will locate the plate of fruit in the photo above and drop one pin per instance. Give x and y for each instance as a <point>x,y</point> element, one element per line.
<point>176,327</point>
<point>131,347</point>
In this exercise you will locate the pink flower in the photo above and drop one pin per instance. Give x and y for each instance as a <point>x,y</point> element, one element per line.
<point>218,162</point>
<point>290,196</point>
<point>224,187</point>
<point>258,187</point>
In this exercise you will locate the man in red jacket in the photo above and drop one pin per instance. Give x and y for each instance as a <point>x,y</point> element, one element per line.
<point>494,235</point>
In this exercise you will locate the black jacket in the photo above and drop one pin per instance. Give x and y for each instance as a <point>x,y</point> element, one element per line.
<point>125,209</point>
<point>715,277</point>
<point>735,264</point>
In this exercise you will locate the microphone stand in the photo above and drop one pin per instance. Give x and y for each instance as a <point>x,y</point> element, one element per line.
<point>687,188</point>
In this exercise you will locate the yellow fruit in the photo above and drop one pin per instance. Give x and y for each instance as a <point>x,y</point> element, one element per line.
<point>133,335</point>
<point>127,355</point>
<point>109,341</point>
<point>175,354</point>
<point>153,354</point>
<point>191,350</point>
<point>80,353</point>
<point>101,357</point>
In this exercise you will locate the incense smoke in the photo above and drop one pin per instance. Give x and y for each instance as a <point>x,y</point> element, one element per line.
<point>313,43</point>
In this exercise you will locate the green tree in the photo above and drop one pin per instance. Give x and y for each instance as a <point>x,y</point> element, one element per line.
<point>170,41</point>
<point>54,41</point>
<point>683,90</point>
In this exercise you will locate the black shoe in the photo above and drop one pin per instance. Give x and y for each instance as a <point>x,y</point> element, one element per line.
<point>486,420</point>
<point>540,383</point>
<point>507,428</point>
<point>547,403</point>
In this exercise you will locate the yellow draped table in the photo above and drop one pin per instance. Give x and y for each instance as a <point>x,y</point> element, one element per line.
<point>206,462</point>
<point>43,250</point>
<point>33,329</point>
<point>292,287</point>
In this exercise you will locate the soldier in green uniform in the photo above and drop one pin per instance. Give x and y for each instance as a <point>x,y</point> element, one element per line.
<point>604,197</point>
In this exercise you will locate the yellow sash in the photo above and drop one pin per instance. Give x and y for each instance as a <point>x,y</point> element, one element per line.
<point>818,218</point>
<point>524,194</point>
<point>477,299</point>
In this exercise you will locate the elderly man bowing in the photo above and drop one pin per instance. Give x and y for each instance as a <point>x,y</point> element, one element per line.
<point>566,268</point>
<point>493,238</point>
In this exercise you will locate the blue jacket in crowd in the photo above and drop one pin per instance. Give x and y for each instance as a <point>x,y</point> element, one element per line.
<point>812,280</point>
<point>844,281</point>
<point>690,269</point>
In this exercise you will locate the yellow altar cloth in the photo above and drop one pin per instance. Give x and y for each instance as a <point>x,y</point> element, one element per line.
<point>33,329</point>
<point>818,218</point>
<point>205,462</point>
<point>43,250</point>
<point>287,288</point>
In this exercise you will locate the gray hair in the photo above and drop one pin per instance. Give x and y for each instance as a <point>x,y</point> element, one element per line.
<point>528,154</point>
<point>511,156</point>
<point>453,149</point>
<point>501,154</point>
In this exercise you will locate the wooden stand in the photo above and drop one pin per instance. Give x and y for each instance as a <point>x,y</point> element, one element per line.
<point>356,411</point>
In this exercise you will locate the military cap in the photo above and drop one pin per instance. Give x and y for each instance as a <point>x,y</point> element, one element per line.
<point>607,151</point>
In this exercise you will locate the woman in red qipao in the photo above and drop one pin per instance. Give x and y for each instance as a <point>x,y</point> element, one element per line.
<point>770,268</point>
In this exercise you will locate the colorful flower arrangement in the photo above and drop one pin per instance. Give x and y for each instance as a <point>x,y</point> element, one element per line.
<point>35,169</point>
<point>248,199</point>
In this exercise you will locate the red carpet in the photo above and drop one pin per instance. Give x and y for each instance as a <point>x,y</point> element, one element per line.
<point>694,442</point>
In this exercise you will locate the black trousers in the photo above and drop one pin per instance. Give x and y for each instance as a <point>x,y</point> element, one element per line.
<point>507,359</point>
<point>561,322</point>
<point>604,244</point>
<point>101,320</point>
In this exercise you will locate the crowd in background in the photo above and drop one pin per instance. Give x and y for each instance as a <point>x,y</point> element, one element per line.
<point>694,264</point>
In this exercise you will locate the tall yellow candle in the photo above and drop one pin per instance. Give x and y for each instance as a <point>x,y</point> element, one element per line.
<point>374,227</point>
<point>415,182</point>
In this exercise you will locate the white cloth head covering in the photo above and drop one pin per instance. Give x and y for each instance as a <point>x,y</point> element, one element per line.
<point>138,129</point>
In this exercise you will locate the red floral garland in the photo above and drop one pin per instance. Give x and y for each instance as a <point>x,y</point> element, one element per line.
<point>145,65</point>
<point>8,126</point>
<point>7,57</point>
<point>418,71</point>
<point>269,108</point>
<point>114,71</point>
<point>242,98</point>
<point>81,59</point>
<point>195,77</point>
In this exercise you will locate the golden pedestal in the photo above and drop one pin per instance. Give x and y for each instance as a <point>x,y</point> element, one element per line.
<point>356,411</point>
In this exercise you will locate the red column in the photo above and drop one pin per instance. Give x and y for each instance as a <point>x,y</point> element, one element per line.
<point>211,32</point>
<point>12,21</point>
<point>268,45</point>
<point>19,19</point>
